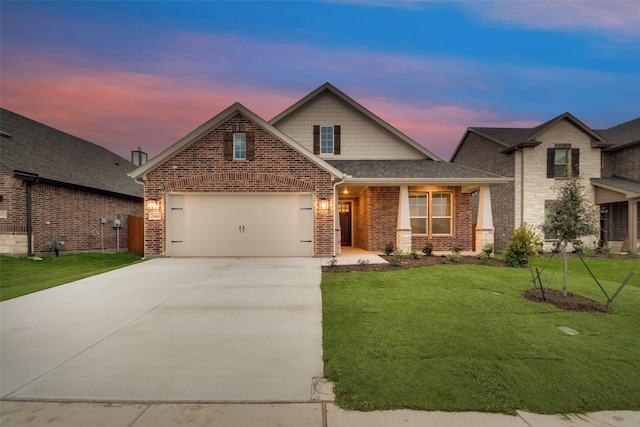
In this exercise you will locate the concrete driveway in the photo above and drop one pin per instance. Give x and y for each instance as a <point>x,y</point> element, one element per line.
<point>191,329</point>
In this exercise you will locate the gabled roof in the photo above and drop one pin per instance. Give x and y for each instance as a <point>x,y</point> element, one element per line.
<point>515,138</point>
<point>351,102</point>
<point>628,187</point>
<point>30,148</point>
<point>622,135</point>
<point>216,121</point>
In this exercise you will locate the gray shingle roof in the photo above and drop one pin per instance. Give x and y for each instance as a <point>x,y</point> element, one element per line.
<point>621,183</point>
<point>622,134</point>
<point>418,169</point>
<point>58,157</point>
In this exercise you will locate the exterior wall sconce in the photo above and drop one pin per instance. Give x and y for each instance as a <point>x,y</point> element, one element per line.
<point>153,204</point>
<point>324,204</point>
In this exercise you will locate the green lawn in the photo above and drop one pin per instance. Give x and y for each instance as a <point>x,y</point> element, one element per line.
<point>462,338</point>
<point>20,276</point>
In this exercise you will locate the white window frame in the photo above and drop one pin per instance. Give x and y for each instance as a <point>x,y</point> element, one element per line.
<point>566,165</point>
<point>413,215</point>
<point>327,142</point>
<point>435,195</point>
<point>239,146</point>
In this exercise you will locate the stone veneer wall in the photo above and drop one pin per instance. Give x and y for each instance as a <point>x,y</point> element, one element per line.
<point>277,168</point>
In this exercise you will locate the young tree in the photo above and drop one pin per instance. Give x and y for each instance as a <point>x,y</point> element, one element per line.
<point>570,217</point>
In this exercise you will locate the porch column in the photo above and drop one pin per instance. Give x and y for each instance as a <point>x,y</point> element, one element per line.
<point>403,231</point>
<point>484,225</point>
<point>633,224</point>
<point>337,232</point>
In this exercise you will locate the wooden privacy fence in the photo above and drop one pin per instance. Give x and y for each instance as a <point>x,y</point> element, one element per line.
<point>136,233</point>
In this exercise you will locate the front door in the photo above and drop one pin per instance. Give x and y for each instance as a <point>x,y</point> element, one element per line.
<point>344,208</point>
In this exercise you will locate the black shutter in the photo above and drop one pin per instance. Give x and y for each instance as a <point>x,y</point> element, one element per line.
<point>551,162</point>
<point>316,139</point>
<point>227,140</point>
<point>336,139</point>
<point>251,145</point>
<point>575,162</point>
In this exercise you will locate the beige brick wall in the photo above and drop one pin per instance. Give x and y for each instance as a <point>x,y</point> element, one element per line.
<point>360,137</point>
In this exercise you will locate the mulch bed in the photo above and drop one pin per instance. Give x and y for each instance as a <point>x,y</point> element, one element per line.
<point>407,262</point>
<point>571,302</point>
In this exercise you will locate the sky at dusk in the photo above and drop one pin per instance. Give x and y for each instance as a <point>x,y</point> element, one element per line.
<point>126,74</point>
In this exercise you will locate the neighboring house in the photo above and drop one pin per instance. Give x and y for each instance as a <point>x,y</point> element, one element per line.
<point>323,174</point>
<point>540,157</point>
<point>54,185</point>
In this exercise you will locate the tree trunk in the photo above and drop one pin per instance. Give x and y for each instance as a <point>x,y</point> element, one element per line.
<point>566,268</point>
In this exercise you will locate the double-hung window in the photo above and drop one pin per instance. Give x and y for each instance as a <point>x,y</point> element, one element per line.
<point>441,216</point>
<point>561,163</point>
<point>239,146</point>
<point>418,212</point>
<point>326,139</point>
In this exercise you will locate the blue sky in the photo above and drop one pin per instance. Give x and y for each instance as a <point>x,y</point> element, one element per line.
<point>123,74</point>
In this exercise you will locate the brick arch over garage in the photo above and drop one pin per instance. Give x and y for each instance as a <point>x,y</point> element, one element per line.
<point>243,181</point>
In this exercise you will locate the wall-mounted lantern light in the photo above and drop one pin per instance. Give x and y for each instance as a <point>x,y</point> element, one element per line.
<point>324,204</point>
<point>153,204</point>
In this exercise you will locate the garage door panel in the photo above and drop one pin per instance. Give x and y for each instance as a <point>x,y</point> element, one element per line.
<point>240,225</point>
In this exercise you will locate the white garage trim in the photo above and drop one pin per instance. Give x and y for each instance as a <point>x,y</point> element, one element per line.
<point>239,224</point>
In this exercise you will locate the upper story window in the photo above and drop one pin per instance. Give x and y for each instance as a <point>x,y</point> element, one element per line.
<point>326,140</point>
<point>563,161</point>
<point>239,146</point>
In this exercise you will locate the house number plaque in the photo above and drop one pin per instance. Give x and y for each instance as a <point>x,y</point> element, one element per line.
<point>155,216</point>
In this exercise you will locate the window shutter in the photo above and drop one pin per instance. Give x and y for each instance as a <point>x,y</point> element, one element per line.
<point>551,162</point>
<point>227,140</point>
<point>251,145</point>
<point>316,139</point>
<point>575,162</point>
<point>336,139</point>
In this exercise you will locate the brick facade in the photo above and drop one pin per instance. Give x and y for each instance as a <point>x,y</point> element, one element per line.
<point>58,211</point>
<point>276,168</point>
<point>502,196</point>
<point>626,162</point>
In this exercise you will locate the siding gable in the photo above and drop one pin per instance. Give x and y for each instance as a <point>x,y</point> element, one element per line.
<point>360,137</point>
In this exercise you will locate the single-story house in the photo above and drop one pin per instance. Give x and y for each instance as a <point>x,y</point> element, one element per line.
<point>323,174</point>
<point>55,187</point>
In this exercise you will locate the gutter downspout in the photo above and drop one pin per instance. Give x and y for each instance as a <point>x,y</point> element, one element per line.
<point>335,210</point>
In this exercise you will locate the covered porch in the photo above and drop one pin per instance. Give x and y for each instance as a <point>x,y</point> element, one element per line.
<point>618,199</point>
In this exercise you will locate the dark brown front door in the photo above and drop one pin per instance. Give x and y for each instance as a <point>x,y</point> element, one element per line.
<point>344,208</point>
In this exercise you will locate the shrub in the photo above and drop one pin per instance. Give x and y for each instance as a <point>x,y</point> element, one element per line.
<point>454,257</point>
<point>428,249</point>
<point>457,248</point>
<point>488,249</point>
<point>396,259</point>
<point>363,262</point>
<point>482,257</point>
<point>332,262</point>
<point>414,254</point>
<point>524,244</point>
<point>389,247</point>
<point>603,249</point>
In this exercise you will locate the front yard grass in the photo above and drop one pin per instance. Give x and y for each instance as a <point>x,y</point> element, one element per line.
<point>20,276</point>
<point>463,338</point>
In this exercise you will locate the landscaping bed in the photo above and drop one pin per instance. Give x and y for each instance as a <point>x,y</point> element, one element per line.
<point>408,262</point>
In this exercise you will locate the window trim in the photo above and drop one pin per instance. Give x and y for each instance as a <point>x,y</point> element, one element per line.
<point>330,133</point>
<point>235,148</point>
<point>424,194</point>
<point>449,217</point>
<point>567,165</point>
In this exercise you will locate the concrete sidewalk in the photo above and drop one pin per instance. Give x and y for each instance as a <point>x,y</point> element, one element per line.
<point>312,414</point>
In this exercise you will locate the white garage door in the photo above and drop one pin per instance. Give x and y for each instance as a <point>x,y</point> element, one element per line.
<point>266,224</point>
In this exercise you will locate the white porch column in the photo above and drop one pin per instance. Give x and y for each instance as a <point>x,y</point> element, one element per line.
<point>484,225</point>
<point>633,224</point>
<point>337,232</point>
<point>403,231</point>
